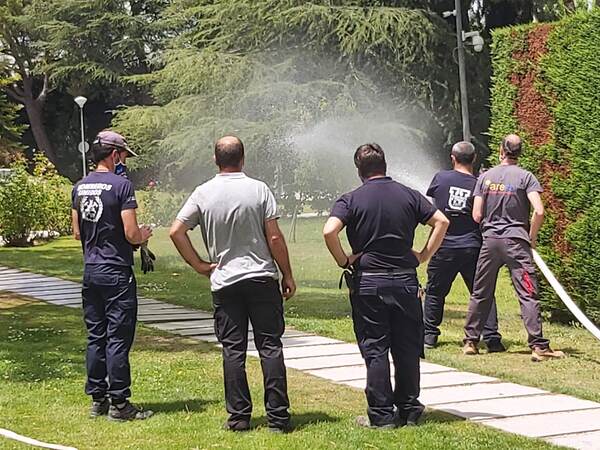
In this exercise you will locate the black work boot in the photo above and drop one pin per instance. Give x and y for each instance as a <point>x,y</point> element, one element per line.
<point>240,425</point>
<point>280,428</point>
<point>431,341</point>
<point>127,411</point>
<point>495,346</point>
<point>99,407</point>
<point>364,421</point>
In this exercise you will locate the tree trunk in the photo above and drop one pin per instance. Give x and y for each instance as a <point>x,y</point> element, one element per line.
<point>34,106</point>
<point>293,227</point>
<point>36,121</point>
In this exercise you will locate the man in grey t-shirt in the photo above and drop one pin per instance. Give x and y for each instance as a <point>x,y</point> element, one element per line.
<point>237,216</point>
<point>503,196</point>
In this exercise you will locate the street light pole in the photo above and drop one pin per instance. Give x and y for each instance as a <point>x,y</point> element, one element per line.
<point>82,147</point>
<point>462,75</point>
<point>82,143</point>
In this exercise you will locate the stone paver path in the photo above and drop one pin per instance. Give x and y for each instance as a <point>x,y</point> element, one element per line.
<point>524,410</point>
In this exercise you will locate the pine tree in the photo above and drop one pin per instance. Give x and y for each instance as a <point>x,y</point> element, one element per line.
<point>10,131</point>
<point>81,47</point>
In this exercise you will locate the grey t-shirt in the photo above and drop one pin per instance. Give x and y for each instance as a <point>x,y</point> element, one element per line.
<point>504,190</point>
<point>231,210</point>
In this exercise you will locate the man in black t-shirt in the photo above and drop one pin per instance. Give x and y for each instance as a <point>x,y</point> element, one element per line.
<point>452,193</point>
<point>104,219</point>
<point>380,218</point>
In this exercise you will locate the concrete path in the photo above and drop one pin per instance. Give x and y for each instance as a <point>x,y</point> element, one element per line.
<point>524,410</point>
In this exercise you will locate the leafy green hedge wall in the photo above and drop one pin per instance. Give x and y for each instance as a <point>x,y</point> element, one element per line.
<point>546,87</point>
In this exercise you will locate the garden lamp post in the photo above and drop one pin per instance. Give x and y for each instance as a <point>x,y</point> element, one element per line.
<point>83,146</point>
<point>477,43</point>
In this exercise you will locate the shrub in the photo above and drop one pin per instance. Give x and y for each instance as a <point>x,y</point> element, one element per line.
<point>29,203</point>
<point>159,207</point>
<point>545,88</point>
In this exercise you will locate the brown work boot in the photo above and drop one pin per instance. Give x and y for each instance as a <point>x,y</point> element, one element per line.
<point>470,349</point>
<point>539,354</point>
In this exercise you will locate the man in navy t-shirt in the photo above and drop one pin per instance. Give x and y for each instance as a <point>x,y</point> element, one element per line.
<point>452,193</point>
<point>104,219</point>
<point>380,218</point>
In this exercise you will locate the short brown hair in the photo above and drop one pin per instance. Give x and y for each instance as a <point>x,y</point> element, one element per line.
<point>369,159</point>
<point>229,152</point>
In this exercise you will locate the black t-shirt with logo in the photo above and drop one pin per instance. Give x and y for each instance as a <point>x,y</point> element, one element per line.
<point>99,199</point>
<point>380,218</point>
<point>452,193</point>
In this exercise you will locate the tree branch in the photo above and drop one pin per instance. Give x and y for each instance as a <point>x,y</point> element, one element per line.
<point>14,95</point>
<point>18,90</point>
<point>42,97</point>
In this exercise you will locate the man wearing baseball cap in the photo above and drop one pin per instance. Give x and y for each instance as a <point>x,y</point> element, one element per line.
<point>104,219</point>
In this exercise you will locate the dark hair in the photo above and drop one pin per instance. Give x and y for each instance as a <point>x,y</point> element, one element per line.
<point>369,159</point>
<point>512,146</point>
<point>101,151</point>
<point>464,152</point>
<point>229,152</point>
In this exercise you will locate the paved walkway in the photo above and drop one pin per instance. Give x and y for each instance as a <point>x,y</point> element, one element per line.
<point>524,410</point>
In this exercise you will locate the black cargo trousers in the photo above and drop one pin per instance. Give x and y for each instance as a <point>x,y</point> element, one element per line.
<point>442,270</point>
<point>259,301</point>
<point>388,317</point>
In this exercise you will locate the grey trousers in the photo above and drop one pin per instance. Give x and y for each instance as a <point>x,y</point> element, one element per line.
<point>516,255</point>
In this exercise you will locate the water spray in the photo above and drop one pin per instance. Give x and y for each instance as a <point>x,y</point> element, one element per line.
<point>566,299</point>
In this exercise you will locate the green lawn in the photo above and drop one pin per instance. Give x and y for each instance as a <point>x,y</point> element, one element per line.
<point>41,396</point>
<point>321,308</point>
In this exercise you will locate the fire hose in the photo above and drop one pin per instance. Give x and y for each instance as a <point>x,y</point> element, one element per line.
<point>566,299</point>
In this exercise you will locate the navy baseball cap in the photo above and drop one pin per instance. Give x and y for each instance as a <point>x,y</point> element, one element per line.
<point>113,139</point>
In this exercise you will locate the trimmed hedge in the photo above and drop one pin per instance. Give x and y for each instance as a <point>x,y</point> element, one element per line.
<point>546,88</point>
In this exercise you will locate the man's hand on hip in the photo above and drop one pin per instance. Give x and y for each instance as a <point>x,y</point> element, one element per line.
<point>288,286</point>
<point>352,259</point>
<point>420,257</point>
<point>206,269</point>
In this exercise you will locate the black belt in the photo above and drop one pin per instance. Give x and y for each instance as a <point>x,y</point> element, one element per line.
<point>349,274</point>
<point>379,272</point>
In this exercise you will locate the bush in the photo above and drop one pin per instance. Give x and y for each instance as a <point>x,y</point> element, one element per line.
<point>30,203</point>
<point>545,88</point>
<point>158,207</point>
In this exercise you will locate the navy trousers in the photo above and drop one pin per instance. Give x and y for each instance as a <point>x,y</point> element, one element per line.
<point>388,317</point>
<point>110,313</point>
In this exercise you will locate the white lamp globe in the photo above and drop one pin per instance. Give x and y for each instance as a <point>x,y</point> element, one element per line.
<point>80,100</point>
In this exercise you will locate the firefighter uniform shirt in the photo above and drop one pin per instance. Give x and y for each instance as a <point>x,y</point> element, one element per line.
<point>452,193</point>
<point>99,199</point>
<point>383,235</point>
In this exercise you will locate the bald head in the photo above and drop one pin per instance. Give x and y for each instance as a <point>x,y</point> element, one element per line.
<point>512,146</point>
<point>464,153</point>
<point>229,152</point>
